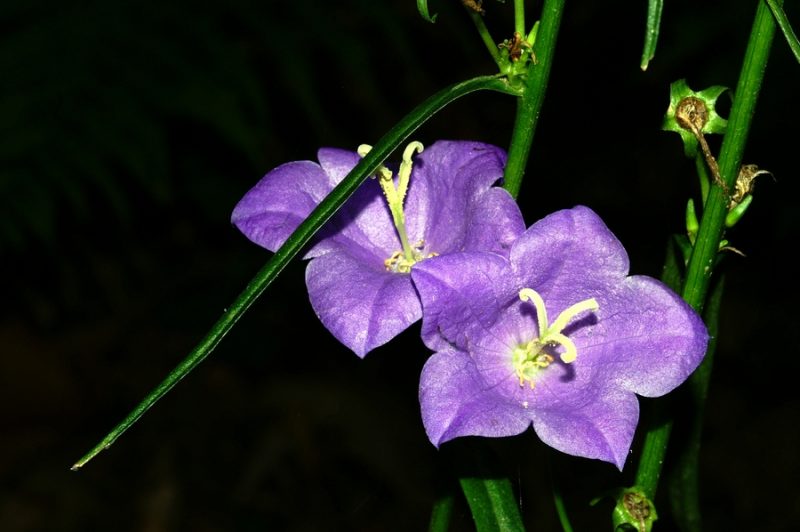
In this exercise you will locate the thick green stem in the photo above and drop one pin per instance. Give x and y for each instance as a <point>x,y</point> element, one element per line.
<point>700,266</point>
<point>367,166</point>
<point>530,103</point>
<point>684,485</point>
<point>486,488</point>
<point>701,262</point>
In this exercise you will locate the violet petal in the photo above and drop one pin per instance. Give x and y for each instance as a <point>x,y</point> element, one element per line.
<point>361,305</point>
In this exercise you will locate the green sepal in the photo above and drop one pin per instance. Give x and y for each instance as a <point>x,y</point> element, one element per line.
<point>633,511</point>
<point>678,91</point>
<point>422,7</point>
<point>516,57</point>
<point>736,213</point>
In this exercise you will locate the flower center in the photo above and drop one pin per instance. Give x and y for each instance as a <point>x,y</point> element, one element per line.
<point>530,358</point>
<point>400,261</point>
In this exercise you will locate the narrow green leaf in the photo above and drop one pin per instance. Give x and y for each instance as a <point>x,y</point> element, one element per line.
<point>785,26</point>
<point>422,7</point>
<point>654,9</point>
<point>367,166</point>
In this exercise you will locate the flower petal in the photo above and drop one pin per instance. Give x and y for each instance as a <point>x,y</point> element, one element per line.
<point>365,220</point>
<point>647,337</point>
<point>447,178</point>
<point>358,301</point>
<point>337,163</point>
<point>601,427</point>
<point>494,222</point>
<point>568,249</point>
<point>456,402</point>
<point>458,294</point>
<point>279,202</point>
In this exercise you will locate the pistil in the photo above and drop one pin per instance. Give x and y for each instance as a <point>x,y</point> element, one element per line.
<point>395,195</point>
<point>529,358</point>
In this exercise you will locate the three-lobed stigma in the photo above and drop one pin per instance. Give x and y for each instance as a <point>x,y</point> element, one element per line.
<point>531,357</point>
<point>395,193</point>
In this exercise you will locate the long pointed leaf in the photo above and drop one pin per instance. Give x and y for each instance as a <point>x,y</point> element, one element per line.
<point>367,166</point>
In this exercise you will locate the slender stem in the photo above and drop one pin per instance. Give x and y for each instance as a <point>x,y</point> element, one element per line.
<point>486,36</point>
<point>702,174</point>
<point>440,516</point>
<point>558,500</point>
<point>519,17</point>
<point>367,166</point>
<point>702,259</point>
<point>529,105</point>
<point>786,27</point>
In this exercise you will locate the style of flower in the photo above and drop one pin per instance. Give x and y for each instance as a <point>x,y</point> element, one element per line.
<point>557,336</point>
<point>358,280</point>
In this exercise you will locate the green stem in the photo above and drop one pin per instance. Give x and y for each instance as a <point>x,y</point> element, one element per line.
<point>487,490</point>
<point>786,27</point>
<point>701,262</point>
<point>440,516</point>
<point>492,503</point>
<point>486,36</point>
<point>519,17</point>
<point>327,207</point>
<point>558,500</point>
<point>684,486</point>
<point>529,105</point>
<point>702,174</point>
<point>702,259</point>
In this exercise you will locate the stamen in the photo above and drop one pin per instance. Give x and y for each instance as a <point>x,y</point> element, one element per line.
<point>397,263</point>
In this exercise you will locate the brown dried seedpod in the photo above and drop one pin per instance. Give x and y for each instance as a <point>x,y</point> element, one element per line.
<point>692,114</point>
<point>745,181</point>
<point>638,507</point>
<point>474,5</point>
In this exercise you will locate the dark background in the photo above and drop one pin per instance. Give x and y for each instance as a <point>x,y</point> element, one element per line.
<point>129,131</point>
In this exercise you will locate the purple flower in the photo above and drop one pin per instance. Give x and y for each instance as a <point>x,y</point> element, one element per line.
<point>358,279</point>
<point>557,336</point>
